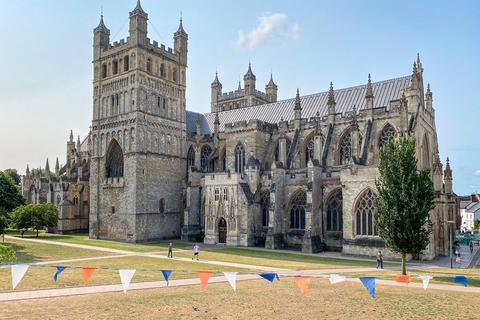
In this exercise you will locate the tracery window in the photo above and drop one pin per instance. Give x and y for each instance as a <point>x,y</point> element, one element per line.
<point>364,214</point>
<point>346,149</point>
<point>114,160</point>
<point>149,65</point>
<point>297,211</point>
<point>335,212</point>
<point>388,132</point>
<point>265,204</point>
<point>205,163</point>
<point>126,63</point>
<point>190,157</point>
<point>239,158</point>
<point>309,150</point>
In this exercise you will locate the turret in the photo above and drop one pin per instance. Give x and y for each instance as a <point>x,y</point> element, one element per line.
<point>138,25</point>
<point>57,167</point>
<point>249,81</point>
<point>180,43</point>
<point>47,169</point>
<point>428,99</point>
<point>298,110</point>
<point>447,176</point>
<point>70,149</point>
<point>101,39</point>
<point>437,173</point>
<point>216,91</point>
<point>331,100</point>
<point>271,90</point>
<point>369,93</point>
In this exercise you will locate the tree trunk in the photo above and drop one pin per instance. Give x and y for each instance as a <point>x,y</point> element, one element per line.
<point>23,231</point>
<point>404,263</point>
<point>37,233</point>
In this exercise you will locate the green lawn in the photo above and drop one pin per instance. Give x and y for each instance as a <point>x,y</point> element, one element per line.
<point>27,252</point>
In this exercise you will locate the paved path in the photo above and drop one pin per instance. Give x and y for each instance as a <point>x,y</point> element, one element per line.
<point>150,255</point>
<point>323,273</point>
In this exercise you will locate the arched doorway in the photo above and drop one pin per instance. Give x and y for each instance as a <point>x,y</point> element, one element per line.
<point>222,231</point>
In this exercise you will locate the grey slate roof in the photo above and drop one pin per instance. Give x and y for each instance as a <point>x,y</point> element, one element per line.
<point>190,123</point>
<point>384,92</point>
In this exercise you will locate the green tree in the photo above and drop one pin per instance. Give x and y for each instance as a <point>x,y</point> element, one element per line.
<point>34,216</point>
<point>405,198</point>
<point>10,196</point>
<point>476,224</point>
<point>13,173</point>
<point>4,221</point>
<point>7,254</point>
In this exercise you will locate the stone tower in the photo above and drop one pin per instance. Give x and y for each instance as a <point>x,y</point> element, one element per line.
<point>138,134</point>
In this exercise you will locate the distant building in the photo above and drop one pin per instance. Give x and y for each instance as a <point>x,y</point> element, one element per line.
<point>68,187</point>
<point>469,212</point>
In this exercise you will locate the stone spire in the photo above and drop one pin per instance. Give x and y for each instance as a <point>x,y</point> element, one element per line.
<point>239,86</point>
<point>27,171</point>
<point>57,166</point>
<point>331,100</point>
<point>180,31</point>
<point>271,83</point>
<point>271,90</point>
<point>216,82</point>
<point>78,143</point>
<point>369,93</point>
<point>298,106</point>
<point>249,75</point>
<point>447,176</point>
<point>419,64</point>
<point>354,118</point>
<point>138,10</point>
<point>101,26</point>
<point>71,135</point>
<point>47,169</point>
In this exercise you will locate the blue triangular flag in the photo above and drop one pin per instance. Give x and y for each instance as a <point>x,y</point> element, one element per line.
<point>270,276</point>
<point>369,284</point>
<point>58,270</point>
<point>461,279</point>
<point>166,274</point>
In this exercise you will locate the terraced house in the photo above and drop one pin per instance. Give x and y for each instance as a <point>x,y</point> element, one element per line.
<point>297,173</point>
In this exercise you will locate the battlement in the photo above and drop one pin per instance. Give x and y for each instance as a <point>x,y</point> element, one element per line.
<point>252,124</point>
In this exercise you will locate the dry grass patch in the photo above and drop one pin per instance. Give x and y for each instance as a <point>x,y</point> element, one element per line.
<point>255,300</point>
<point>41,277</point>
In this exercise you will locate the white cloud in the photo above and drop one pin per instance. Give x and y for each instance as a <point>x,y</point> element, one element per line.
<point>270,25</point>
<point>477,173</point>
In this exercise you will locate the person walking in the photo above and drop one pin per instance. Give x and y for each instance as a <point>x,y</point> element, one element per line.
<point>471,247</point>
<point>379,260</point>
<point>170,250</point>
<point>195,251</point>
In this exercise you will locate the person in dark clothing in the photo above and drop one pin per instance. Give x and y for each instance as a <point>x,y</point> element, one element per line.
<point>170,250</point>
<point>379,260</point>
<point>471,247</point>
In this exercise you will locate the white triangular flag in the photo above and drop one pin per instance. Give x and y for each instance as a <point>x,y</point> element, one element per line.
<point>232,279</point>
<point>425,280</point>
<point>335,278</point>
<point>126,276</point>
<point>18,271</point>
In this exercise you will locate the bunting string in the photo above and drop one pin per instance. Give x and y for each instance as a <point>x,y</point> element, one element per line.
<point>300,278</point>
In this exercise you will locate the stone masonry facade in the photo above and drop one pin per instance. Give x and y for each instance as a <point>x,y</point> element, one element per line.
<point>297,173</point>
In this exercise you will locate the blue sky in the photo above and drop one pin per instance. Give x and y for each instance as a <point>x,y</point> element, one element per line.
<point>45,87</point>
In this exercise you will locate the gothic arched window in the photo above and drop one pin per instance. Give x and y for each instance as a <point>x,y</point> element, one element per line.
<point>126,63</point>
<point>364,209</point>
<point>115,67</point>
<point>297,211</point>
<point>265,208</point>
<point>388,132</point>
<point>309,150</point>
<point>239,158</point>
<point>149,65</point>
<point>346,149</point>
<point>114,160</point>
<point>205,163</point>
<point>425,152</point>
<point>104,70</point>
<point>335,212</point>
<point>190,157</point>
<point>162,70</point>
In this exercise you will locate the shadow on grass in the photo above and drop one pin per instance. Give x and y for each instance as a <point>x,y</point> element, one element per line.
<point>22,255</point>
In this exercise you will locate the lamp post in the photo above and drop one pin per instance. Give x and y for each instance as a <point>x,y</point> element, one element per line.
<point>450,231</point>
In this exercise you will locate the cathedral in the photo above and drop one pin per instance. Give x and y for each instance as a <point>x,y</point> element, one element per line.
<point>297,173</point>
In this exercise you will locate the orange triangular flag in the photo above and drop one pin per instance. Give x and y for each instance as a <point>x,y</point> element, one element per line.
<point>87,273</point>
<point>302,283</point>
<point>404,279</point>
<point>204,276</point>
